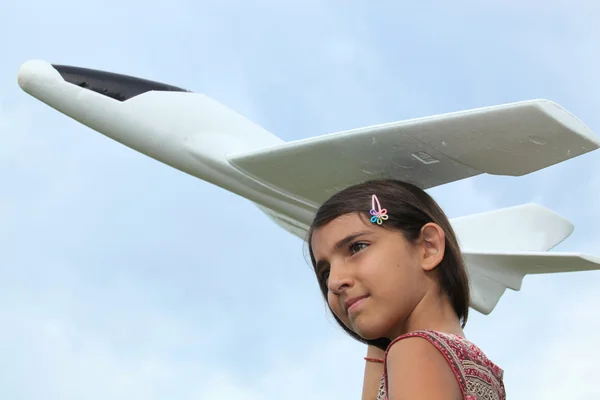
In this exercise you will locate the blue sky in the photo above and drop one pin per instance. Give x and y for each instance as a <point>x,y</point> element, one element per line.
<point>120,278</point>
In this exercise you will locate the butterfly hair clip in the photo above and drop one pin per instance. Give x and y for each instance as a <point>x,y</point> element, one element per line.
<point>378,214</point>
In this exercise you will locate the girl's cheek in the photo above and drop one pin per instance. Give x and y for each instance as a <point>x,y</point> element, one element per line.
<point>331,302</point>
<point>334,304</point>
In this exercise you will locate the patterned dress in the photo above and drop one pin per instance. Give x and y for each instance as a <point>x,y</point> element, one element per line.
<point>477,376</point>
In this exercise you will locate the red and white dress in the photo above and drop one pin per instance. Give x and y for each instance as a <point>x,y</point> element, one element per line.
<point>477,376</point>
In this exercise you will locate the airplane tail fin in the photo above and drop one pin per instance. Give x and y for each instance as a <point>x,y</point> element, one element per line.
<point>515,244</point>
<point>492,273</point>
<point>527,227</point>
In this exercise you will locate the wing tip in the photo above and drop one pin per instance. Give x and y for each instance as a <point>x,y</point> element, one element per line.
<point>548,214</point>
<point>567,119</point>
<point>592,259</point>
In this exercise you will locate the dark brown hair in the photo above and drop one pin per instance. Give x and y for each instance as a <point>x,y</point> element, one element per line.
<point>409,209</point>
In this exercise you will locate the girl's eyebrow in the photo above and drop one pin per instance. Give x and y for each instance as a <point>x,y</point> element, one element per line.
<point>350,238</point>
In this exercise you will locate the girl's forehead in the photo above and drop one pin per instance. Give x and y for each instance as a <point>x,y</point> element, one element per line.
<point>327,237</point>
<point>340,224</point>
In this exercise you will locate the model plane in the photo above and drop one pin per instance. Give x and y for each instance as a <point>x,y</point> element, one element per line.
<point>289,180</point>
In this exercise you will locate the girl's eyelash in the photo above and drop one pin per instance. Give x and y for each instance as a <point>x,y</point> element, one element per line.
<point>352,247</point>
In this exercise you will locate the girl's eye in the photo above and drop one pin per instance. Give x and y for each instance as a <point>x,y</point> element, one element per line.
<point>356,247</point>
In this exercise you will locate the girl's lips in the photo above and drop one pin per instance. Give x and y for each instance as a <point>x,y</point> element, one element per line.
<point>353,303</point>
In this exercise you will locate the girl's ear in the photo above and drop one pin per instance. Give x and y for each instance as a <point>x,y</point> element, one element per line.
<point>433,246</point>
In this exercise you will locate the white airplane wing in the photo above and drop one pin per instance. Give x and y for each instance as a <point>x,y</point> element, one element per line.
<point>513,139</point>
<point>184,129</point>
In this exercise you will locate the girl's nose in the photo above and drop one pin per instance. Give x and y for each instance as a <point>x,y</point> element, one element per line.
<point>339,280</point>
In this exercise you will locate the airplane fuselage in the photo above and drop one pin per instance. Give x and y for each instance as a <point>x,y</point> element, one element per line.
<point>187,131</point>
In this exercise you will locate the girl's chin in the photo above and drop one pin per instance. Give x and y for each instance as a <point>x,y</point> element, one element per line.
<point>368,331</point>
<point>369,335</point>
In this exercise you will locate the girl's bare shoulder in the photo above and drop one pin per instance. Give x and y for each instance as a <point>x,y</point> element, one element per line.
<point>416,369</point>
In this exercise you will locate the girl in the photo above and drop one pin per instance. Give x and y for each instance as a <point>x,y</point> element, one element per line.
<point>389,265</point>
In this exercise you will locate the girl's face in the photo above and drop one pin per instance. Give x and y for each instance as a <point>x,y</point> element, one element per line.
<point>375,277</point>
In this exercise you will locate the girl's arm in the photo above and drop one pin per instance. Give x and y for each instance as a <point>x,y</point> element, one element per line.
<point>373,373</point>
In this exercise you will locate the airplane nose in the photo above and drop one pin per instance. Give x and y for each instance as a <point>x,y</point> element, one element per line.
<point>34,73</point>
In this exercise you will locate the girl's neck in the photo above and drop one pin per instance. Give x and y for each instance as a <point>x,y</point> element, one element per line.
<point>432,313</point>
